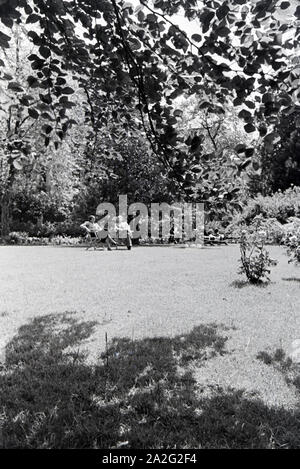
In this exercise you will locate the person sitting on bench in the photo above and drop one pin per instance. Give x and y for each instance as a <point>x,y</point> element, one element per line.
<point>93,229</point>
<point>122,225</point>
<point>218,236</point>
<point>215,237</point>
<point>90,226</point>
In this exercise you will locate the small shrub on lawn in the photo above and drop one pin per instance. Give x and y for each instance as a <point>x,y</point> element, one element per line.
<point>255,259</point>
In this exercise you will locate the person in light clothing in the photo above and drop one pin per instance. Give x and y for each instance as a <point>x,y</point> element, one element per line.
<point>90,226</point>
<point>94,230</point>
<point>122,225</point>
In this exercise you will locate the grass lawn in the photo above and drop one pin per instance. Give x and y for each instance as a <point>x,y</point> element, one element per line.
<point>195,356</point>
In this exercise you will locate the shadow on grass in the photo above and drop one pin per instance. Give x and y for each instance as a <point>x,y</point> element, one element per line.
<point>291,279</point>
<point>245,283</point>
<point>284,364</point>
<point>142,394</point>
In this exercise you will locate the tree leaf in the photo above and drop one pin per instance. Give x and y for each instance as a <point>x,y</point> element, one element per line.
<point>33,18</point>
<point>135,44</point>
<point>178,113</point>
<point>249,152</point>
<point>241,148</point>
<point>206,18</point>
<point>45,51</point>
<point>4,40</point>
<point>223,31</point>
<point>285,5</point>
<point>8,22</point>
<point>250,104</point>
<point>67,90</point>
<point>222,11</point>
<point>33,113</point>
<point>60,81</point>
<point>249,128</point>
<point>197,37</point>
<point>14,86</point>
<point>246,115</point>
<point>33,82</point>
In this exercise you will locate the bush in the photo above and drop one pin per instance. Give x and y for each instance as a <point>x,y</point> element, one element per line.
<point>65,228</point>
<point>17,237</point>
<point>275,231</point>
<point>34,240</point>
<point>280,206</point>
<point>69,228</point>
<point>255,259</point>
<point>213,225</point>
<point>48,229</point>
<point>277,210</point>
<point>66,240</point>
<point>292,242</point>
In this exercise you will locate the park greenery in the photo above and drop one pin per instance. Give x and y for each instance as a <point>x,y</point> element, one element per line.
<point>164,101</point>
<point>211,116</point>
<point>106,97</point>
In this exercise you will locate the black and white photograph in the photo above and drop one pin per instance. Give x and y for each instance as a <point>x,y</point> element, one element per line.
<point>149,228</point>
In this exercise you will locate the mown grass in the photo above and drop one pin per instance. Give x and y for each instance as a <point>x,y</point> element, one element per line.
<point>141,394</point>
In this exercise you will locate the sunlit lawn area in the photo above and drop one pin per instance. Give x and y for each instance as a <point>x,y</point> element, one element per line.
<point>182,365</point>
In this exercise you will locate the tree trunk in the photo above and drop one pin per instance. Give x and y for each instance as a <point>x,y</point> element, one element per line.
<point>40,220</point>
<point>5,215</point>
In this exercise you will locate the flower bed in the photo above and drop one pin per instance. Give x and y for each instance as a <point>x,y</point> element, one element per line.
<point>22,238</point>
